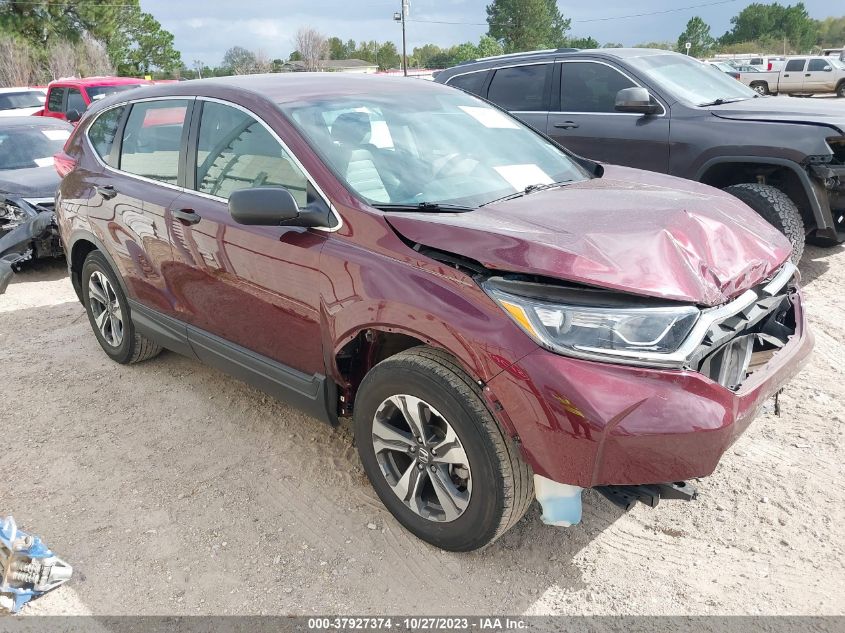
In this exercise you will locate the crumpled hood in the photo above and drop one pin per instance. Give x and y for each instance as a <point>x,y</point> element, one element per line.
<point>782,110</point>
<point>631,230</point>
<point>33,182</point>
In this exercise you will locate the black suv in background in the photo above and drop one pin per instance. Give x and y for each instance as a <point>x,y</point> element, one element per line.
<point>667,112</point>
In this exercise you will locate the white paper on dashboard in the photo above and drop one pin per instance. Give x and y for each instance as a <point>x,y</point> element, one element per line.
<point>521,176</point>
<point>44,162</point>
<point>488,117</point>
<point>56,135</point>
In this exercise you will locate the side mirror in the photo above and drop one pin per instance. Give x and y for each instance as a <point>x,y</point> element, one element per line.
<point>73,116</point>
<point>828,69</point>
<point>269,206</point>
<point>636,100</point>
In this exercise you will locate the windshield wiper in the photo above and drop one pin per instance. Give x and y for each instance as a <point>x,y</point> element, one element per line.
<point>425,207</point>
<point>720,101</point>
<point>527,190</point>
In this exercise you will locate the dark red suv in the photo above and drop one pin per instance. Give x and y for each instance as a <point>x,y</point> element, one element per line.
<point>498,316</point>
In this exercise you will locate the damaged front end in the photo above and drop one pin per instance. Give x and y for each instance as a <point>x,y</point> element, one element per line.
<point>28,231</point>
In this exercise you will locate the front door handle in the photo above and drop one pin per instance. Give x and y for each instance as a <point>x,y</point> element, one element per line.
<point>566,125</point>
<point>107,191</point>
<point>188,216</point>
<point>806,74</point>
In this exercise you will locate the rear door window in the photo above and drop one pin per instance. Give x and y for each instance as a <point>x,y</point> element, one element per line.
<point>795,65</point>
<point>235,151</point>
<point>75,101</point>
<point>103,131</point>
<point>520,88</point>
<point>152,139</point>
<point>590,87</point>
<point>471,82</point>
<point>818,64</point>
<point>56,100</point>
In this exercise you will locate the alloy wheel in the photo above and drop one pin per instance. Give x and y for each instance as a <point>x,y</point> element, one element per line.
<point>105,308</point>
<point>422,458</point>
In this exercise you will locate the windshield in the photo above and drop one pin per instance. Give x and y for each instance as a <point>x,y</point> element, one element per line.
<point>442,147</point>
<point>18,100</point>
<point>98,92</point>
<point>24,147</point>
<point>837,63</point>
<point>691,81</point>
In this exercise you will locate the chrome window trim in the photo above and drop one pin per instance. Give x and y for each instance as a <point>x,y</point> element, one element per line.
<point>296,161</point>
<point>484,70</point>
<point>621,72</point>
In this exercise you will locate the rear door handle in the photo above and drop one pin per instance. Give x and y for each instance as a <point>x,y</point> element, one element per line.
<point>107,191</point>
<point>566,125</point>
<point>188,216</point>
<point>806,74</point>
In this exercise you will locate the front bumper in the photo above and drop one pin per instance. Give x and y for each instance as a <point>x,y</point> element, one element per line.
<point>590,424</point>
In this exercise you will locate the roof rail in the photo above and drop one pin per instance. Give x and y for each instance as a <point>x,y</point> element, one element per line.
<point>522,54</point>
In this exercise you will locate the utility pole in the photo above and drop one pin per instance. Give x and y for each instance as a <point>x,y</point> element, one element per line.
<point>400,16</point>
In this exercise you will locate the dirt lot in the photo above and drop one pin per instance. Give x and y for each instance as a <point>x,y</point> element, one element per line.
<point>174,489</point>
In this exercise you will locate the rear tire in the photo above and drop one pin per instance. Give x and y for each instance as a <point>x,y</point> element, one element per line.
<point>108,313</point>
<point>760,87</point>
<point>774,206</point>
<point>840,90</point>
<point>496,484</point>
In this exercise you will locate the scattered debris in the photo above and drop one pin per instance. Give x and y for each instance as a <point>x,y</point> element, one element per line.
<point>27,567</point>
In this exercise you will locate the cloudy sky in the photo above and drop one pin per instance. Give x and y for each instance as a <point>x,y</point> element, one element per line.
<point>204,29</point>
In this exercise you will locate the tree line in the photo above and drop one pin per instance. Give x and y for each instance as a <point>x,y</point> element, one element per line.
<point>765,28</point>
<point>523,25</point>
<point>55,38</point>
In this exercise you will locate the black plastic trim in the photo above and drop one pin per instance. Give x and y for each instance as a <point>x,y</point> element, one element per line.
<point>305,392</point>
<point>312,394</point>
<point>164,330</point>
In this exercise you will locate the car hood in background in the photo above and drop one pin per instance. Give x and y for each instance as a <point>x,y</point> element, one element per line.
<point>33,182</point>
<point>632,231</point>
<point>828,112</point>
<point>21,111</point>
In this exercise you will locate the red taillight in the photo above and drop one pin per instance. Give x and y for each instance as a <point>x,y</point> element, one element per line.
<point>769,67</point>
<point>63,163</point>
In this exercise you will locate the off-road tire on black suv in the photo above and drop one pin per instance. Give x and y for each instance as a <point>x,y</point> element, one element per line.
<point>777,209</point>
<point>502,483</point>
<point>133,347</point>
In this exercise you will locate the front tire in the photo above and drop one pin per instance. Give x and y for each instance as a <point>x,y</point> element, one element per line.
<point>840,90</point>
<point>774,206</point>
<point>434,453</point>
<point>108,313</point>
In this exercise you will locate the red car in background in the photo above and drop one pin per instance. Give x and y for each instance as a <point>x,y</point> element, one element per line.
<point>67,95</point>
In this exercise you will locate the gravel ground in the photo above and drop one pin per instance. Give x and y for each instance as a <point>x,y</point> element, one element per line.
<point>175,489</point>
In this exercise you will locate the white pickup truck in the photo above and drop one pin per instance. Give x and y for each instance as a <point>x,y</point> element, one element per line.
<point>804,75</point>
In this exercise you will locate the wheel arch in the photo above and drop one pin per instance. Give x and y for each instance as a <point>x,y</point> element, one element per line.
<point>80,244</point>
<point>725,171</point>
<point>364,348</point>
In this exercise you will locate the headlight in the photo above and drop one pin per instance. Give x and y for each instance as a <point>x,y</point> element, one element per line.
<point>617,333</point>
